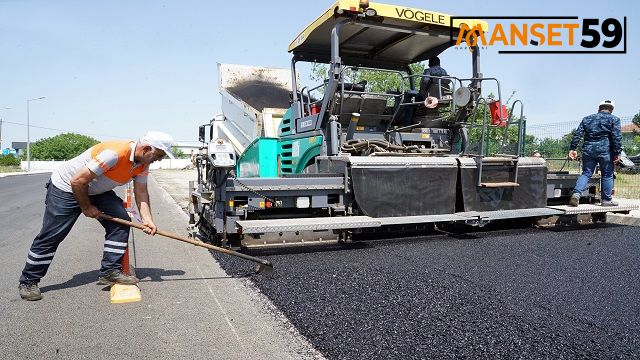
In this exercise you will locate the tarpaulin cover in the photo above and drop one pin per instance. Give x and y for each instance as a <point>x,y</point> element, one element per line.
<point>532,192</point>
<point>394,191</point>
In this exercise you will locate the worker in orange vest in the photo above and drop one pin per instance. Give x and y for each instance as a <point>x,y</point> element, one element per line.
<point>84,185</point>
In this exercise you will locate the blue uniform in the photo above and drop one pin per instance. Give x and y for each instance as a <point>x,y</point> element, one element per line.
<point>602,142</point>
<point>426,82</point>
<point>602,135</point>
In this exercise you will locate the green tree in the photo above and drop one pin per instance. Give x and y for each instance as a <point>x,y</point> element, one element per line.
<point>9,160</point>
<point>61,147</point>
<point>178,153</point>
<point>497,138</point>
<point>565,142</point>
<point>382,81</point>
<point>635,148</point>
<point>551,148</point>
<point>636,119</point>
<point>377,80</point>
<point>531,145</point>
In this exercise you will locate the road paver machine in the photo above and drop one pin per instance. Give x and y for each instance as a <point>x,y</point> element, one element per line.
<point>287,163</point>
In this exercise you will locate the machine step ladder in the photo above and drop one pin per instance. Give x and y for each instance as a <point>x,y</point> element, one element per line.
<point>498,160</point>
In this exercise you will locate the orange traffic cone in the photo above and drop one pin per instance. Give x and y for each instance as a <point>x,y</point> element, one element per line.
<point>125,293</point>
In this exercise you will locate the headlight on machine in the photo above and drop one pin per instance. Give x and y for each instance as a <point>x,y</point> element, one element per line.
<point>303,202</point>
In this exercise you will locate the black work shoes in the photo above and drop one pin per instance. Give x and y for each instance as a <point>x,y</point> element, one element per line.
<point>29,291</point>
<point>117,277</point>
<point>575,200</point>
<point>608,203</point>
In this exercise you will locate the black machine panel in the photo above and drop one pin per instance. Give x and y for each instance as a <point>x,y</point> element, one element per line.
<point>532,192</point>
<point>382,192</point>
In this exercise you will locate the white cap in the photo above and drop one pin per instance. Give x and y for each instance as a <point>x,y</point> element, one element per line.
<point>159,140</point>
<point>607,103</point>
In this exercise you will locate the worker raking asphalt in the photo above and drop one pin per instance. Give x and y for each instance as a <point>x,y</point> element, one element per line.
<point>531,292</point>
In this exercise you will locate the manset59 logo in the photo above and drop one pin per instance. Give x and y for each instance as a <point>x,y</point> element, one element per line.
<point>544,35</point>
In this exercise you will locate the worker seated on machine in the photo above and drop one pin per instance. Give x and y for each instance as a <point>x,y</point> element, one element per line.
<point>432,91</point>
<point>430,86</point>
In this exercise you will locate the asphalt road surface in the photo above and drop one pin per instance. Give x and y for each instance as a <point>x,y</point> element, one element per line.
<point>518,293</point>
<point>190,307</point>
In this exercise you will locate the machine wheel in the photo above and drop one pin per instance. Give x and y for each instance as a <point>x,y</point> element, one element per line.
<point>599,217</point>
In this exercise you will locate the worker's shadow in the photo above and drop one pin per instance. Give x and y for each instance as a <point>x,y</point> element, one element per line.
<point>77,280</point>
<point>144,274</point>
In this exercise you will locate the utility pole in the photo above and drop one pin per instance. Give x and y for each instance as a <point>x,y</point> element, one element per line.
<point>7,108</point>
<point>28,134</point>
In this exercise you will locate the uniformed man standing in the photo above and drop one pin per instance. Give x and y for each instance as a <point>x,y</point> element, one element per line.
<point>602,146</point>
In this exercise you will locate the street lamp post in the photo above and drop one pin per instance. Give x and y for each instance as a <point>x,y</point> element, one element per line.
<point>28,134</point>
<point>7,108</point>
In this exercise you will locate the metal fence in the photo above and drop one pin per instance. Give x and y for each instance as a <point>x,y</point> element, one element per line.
<point>552,141</point>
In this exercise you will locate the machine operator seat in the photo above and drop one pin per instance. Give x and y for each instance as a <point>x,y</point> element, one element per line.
<point>350,101</point>
<point>355,86</point>
<point>438,88</point>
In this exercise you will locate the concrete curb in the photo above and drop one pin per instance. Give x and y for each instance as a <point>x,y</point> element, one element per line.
<point>24,173</point>
<point>622,219</point>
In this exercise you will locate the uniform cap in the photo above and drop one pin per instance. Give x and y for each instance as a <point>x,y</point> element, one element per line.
<point>607,103</point>
<point>159,140</point>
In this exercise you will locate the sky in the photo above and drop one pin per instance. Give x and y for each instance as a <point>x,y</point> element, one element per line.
<point>116,69</point>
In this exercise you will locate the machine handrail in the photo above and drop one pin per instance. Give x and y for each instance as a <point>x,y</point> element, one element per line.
<point>399,97</point>
<point>511,121</point>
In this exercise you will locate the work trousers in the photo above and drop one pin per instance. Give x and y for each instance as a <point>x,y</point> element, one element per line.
<point>588,167</point>
<point>61,212</point>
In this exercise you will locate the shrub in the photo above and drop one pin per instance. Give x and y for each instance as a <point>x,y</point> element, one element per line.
<point>9,160</point>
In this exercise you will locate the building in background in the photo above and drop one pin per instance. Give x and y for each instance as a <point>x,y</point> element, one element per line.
<point>18,148</point>
<point>631,139</point>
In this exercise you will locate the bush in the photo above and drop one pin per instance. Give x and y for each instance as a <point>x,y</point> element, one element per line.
<point>9,160</point>
<point>61,147</point>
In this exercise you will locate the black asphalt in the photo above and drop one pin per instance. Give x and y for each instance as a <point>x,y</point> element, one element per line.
<point>517,293</point>
<point>190,308</point>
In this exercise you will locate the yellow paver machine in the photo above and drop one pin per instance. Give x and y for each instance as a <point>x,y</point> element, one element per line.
<point>373,145</point>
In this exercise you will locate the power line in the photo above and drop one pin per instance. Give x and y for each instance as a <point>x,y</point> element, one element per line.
<point>82,133</point>
<point>61,130</point>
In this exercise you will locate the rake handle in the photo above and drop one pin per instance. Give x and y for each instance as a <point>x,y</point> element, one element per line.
<point>187,240</point>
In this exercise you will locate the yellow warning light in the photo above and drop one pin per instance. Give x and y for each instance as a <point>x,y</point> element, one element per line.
<point>230,203</point>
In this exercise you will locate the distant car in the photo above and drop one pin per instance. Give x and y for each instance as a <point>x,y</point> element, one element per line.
<point>629,164</point>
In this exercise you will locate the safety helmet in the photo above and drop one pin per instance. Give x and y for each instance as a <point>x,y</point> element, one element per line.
<point>607,103</point>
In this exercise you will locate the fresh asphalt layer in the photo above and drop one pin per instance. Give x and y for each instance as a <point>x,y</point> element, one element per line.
<point>517,293</point>
<point>190,307</point>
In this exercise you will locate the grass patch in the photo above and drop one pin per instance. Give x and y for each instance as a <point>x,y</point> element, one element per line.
<point>627,186</point>
<point>7,168</point>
